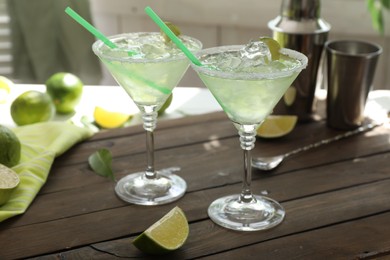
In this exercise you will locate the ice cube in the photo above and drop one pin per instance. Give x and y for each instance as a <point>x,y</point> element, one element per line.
<point>254,54</point>
<point>154,51</point>
<point>229,62</point>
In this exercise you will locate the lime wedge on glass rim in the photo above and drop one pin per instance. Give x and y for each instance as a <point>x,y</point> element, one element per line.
<point>173,28</point>
<point>273,46</point>
<point>166,235</point>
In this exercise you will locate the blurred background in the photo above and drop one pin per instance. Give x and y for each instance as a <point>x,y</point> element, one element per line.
<point>216,22</point>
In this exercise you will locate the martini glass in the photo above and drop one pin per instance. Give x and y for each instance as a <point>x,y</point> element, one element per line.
<point>247,84</point>
<point>148,68</point>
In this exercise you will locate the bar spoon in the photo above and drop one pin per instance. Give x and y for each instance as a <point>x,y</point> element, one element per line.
<point>270,163</point>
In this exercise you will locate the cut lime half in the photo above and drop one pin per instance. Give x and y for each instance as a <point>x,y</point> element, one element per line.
<point>166,235</point>
<point>9,180</point>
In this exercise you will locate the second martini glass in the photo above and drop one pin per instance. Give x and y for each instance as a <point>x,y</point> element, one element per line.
<point>247,83</point>
<point>148,68</point>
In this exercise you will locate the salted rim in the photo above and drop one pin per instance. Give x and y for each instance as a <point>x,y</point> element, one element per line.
<point>96,47</point>
<point>249,75</point>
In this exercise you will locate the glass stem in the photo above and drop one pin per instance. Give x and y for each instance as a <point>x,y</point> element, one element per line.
<point>247,140</point>
<point>150,119</point>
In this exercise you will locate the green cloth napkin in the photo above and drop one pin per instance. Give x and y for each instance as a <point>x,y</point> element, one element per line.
<point>41,143</point>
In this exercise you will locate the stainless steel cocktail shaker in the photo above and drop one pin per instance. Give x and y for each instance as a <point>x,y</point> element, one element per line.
<point>300,27</point>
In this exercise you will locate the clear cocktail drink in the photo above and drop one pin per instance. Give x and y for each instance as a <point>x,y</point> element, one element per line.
<point>148,67</point>
<point>247,83</point>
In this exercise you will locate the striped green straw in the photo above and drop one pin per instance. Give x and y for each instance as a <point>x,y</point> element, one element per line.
<point>92,29</point>
<point>149,11</point>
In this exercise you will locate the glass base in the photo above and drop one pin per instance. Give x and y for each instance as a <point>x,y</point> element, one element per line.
<point>259,214</point>
<point>136,188</point>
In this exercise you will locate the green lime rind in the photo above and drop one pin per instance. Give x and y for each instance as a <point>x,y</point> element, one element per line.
<point>10,151</point>
<point>65,89</point>
<point>32,107</point>
<point>173,28</point>
<point>149,246</point>
<point>273,46</point>
<point>166,235</point>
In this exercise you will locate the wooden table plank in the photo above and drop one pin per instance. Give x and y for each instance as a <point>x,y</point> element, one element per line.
<point>357,239</point>
<point>303,215</point>
<point>86,198</point>
<point>325,188</point>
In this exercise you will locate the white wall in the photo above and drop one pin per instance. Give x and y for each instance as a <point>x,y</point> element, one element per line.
<point>219,22</point>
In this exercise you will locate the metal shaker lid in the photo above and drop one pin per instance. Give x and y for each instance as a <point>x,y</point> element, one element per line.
<point>300,16</point>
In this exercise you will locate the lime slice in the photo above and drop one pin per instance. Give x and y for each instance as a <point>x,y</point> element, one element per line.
<point>5,88</point>
<point>164,236</point>
<point>277,126</point>
<point>109,119</point>
<point>9,180</point>
<point>273,46</point>
<point>173,28</point>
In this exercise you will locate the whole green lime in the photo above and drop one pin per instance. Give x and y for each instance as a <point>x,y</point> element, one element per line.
<point>10,147</point>
<point>65,89</point>
<point>32,107</point>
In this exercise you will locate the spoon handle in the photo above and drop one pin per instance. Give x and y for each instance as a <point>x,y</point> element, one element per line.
<point>358,130</point>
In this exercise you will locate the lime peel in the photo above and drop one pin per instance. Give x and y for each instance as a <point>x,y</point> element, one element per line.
<point>166,235</point>
<point>273,46</point>
<point>173,28</point>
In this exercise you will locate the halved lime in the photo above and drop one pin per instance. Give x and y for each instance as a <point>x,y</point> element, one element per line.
<point>277,126</point>
<point>9,180</point>
<point>166,235</point>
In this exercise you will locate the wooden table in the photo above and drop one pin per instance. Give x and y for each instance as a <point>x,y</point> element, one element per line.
<point>337,198</point>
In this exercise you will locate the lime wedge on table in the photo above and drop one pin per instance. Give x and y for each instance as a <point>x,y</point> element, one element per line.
<point>166,235</point>
<point>109,119</point>
<point>273,46</point>
<point>277,126</point>
<point>9,180</point>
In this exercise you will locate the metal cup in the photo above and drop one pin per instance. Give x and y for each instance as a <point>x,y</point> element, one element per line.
<point>350,72</point>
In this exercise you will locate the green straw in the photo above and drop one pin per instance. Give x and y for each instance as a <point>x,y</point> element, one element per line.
<point>89,27</point>
<point>110,44</point>
<point>172,36</point>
